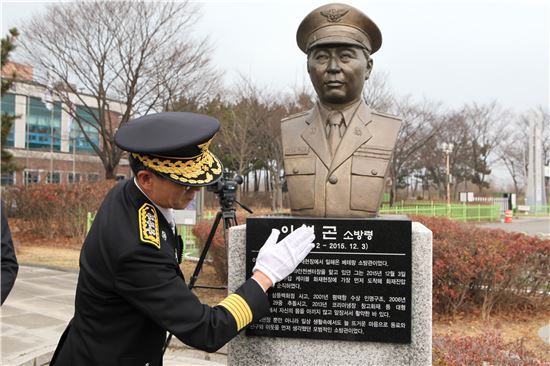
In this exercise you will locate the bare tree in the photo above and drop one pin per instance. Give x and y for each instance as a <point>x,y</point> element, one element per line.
<point>513,157</point>
<point>138,54</point>
<point>239,136</point>
<point>378,93</point>
<point>486,124</point>
<point>421,121</point>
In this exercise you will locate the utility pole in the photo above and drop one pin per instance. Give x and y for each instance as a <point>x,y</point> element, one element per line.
<point>448,149</point>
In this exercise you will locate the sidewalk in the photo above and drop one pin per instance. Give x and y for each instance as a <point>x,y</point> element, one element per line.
<point>38,310</point>
<point>539,226</point>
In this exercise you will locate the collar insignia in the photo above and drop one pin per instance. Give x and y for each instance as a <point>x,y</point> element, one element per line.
<point>149,225</point>
<point>334,15</point>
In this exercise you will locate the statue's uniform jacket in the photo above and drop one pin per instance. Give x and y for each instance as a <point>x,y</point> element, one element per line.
<point>130,292</point>
<point>350,184</point>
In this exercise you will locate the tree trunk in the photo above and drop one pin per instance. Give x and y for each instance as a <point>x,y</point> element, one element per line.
<point>110,172</point>
<point>393,189</point>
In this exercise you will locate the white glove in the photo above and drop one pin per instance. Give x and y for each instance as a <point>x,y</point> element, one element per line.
<point>278,260</point>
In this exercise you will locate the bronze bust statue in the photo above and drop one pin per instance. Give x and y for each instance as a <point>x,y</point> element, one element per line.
<point>336,155</point>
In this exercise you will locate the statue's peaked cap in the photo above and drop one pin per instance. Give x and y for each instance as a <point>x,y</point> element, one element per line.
<point>338,24</point>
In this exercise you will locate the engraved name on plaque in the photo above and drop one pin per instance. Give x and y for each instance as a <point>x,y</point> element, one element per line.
<point>354,285</point>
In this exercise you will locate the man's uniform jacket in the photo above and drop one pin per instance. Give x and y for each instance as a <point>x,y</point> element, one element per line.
<point>9,260</point>
<point>131,291</point>
<point>350,184</point>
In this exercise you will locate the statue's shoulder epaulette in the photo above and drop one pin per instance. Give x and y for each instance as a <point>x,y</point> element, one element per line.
<point>294,116</point>
<point>149,230</point>
<point>387,115</point>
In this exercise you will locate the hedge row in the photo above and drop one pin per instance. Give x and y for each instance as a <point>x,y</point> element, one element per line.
<point>485,270</point>
<point>54,210</point>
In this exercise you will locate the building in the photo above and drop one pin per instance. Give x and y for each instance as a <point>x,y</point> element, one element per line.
<point>46,145</point>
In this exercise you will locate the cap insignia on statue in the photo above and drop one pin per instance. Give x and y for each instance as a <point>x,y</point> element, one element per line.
<point>334,15</point>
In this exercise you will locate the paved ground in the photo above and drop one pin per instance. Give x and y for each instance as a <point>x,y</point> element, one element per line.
<point>532,226</point>
<point>37,311</point>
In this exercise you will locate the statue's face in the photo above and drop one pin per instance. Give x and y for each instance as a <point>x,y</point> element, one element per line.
<point>338,73</point>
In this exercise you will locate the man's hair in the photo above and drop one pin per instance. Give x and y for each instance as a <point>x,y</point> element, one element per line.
<point>136,165</point>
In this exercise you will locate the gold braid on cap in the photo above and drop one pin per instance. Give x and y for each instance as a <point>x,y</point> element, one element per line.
<point>186,171</point>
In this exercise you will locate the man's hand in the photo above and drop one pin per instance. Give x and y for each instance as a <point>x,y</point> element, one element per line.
<point>278,260</point>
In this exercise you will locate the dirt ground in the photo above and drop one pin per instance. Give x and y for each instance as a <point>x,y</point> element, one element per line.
<point>64,253</point>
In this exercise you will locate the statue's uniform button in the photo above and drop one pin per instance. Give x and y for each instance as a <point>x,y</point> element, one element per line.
<point>374,172</point>
<point>333,179</point>
<point>295,171</point>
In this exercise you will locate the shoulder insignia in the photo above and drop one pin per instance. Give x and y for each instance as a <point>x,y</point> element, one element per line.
<point>386,115</point>
<point>149,225</point>
<point>296,115</point>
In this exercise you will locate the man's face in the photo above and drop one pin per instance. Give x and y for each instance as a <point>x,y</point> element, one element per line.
<point>338,73</point>
<point>168,194</point>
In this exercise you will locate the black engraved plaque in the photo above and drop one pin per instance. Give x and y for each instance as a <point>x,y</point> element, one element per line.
<point>355,284</point>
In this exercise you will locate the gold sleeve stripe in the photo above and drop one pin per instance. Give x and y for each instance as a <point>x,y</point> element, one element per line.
<point>239,309</point>
<point>243,305</point>
<point>235,312</point>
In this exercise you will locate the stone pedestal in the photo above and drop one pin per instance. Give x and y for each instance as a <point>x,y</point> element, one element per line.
<point>254,351</point>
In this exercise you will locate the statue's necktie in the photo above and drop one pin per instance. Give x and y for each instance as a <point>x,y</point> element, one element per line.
<point>335,120</point>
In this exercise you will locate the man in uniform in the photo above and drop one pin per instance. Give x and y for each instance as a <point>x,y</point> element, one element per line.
<point>337,154</point>
<point>9,260</point>
<point>130,288</point>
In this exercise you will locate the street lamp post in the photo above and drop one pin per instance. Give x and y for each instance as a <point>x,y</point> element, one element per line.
<point>448,149</point>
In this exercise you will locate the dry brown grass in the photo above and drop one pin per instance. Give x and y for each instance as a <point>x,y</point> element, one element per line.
<point>51,257</point>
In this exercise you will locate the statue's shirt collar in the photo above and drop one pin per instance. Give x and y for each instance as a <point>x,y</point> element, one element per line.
<point>348,112</point>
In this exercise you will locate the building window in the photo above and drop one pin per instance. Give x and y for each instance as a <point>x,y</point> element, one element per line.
<point>31,177</point>
<point>43,125</point>
<point>8,179</point>
<point>73,179</point>
<point>8,106</point>
<point>88,118</point>
<point>94,177</point>
<point>53,178</point>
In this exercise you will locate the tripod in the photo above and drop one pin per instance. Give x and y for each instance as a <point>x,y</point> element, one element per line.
<point>227,213</point>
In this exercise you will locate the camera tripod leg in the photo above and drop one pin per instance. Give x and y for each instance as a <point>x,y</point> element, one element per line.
<point>198,267</point>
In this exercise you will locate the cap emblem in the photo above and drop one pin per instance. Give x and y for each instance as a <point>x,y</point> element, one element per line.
<point>334,15</point>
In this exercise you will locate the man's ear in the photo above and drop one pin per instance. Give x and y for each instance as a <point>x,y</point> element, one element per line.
<point>145,179</point>
<point>368,70</point>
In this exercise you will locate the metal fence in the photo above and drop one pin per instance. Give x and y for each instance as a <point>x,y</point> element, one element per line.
<point>462,212</point>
